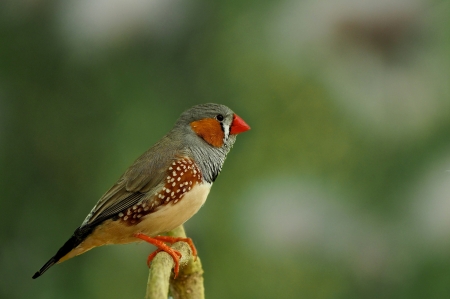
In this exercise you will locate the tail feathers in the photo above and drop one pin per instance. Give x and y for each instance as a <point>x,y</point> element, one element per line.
<point>73,242</point>
<point>44,268</point>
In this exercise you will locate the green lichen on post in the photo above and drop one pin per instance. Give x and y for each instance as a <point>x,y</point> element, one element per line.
<point>188,284</point>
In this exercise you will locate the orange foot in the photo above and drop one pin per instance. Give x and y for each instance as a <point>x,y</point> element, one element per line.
<point>172,240</point>
<point>158,241</point>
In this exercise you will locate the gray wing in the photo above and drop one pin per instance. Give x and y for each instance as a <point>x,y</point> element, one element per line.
<point>139,182</point>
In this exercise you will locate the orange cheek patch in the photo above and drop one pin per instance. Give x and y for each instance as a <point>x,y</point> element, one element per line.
<point>210,130</point>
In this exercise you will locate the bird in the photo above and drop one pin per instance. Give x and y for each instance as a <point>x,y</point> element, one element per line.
<point>162,189</point>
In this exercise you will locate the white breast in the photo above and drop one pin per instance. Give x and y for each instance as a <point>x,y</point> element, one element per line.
<point>173,215</point>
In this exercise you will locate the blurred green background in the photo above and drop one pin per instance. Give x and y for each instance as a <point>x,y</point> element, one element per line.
<point>340,190</point>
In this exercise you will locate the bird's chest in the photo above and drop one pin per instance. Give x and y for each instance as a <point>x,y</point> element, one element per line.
<point>174,214</point>
<point>179,197</point>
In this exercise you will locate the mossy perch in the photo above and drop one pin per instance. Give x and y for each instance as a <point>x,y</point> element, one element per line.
<point>188,284</point>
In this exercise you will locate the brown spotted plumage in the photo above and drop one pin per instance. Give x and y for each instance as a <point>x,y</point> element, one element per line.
<point>182,176</point>
<point>163,188</point>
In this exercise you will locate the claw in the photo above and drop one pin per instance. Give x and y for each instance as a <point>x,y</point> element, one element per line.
<point>158,241</point>
<point>151,256</point>
<point>172,240</point>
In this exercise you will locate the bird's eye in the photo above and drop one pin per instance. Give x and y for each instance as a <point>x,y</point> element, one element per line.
<point>219,117</point>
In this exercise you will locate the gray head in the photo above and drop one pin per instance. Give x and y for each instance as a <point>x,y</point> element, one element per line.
<point>209,132</point>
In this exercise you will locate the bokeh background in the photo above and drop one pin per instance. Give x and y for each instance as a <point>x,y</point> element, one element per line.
<point>340,190</point>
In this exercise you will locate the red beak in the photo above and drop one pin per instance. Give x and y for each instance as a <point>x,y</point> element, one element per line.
<point>238,125</point>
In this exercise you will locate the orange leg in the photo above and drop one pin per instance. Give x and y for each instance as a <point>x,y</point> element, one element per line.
<point>151,256</point>
<point>161,247</point>
<point>172,240</point>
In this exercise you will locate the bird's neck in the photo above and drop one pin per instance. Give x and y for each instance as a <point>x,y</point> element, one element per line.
<point>210,161</point>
